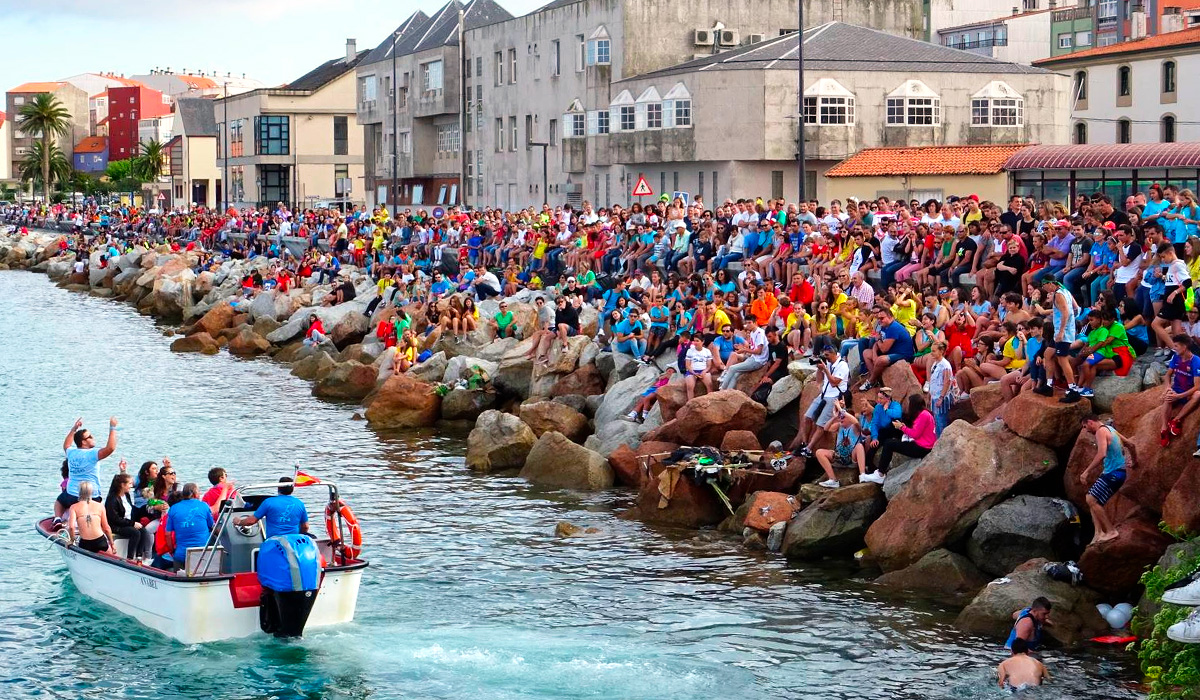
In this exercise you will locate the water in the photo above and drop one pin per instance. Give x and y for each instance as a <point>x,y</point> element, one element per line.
<point>469,594</point>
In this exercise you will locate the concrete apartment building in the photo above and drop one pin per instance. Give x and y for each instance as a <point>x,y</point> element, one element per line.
<point>202,84</point>
<point>1099,23</point>
<point>1135,91</point>
<point>1023,37</point>
<point>192,155</point>
<point>126,107</point>
<point>426,109</point>
<point>74,99</point>
<point>294,143</point>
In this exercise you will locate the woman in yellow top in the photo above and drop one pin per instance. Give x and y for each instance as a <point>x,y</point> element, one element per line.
<point>467,320</point>
<point>904,309</point>
<point>797,327</point>
<point>406,353</point>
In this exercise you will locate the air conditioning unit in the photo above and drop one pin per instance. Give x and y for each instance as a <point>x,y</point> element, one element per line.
<point>755,38</point>
<point>729,37</point>
<point>702,37</point>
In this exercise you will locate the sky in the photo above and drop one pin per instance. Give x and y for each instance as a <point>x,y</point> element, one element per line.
<point>272,40</point>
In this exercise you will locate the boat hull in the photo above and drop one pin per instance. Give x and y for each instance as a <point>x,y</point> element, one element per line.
<point>196,610</point>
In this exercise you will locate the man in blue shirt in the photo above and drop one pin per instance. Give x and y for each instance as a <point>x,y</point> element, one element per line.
<point>83,459</point>
<point>189,523</point>
<point>284,514</point>
<point>894,344</point>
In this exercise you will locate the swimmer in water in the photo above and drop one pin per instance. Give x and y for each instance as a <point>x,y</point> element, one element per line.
<point>1021,671</point>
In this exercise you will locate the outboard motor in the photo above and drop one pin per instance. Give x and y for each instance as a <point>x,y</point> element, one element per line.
<point>289,571</point>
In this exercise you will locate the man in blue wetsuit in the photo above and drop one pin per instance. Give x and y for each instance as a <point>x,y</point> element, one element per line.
<point>1029,622</point>
<point>283,514</point>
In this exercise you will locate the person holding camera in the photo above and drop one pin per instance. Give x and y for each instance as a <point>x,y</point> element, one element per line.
<point>834,375</point>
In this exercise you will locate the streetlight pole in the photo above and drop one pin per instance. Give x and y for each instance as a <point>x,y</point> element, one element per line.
<point>800,155</point>
<point>545,177</point>
<point>225,147</point>
<point>395,92</point>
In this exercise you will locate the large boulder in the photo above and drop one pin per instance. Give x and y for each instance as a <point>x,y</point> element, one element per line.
<point>627,470</point>
<point>900,379</point>
<point>706,419</point>
<point>986,399</point>
<point>514,372</point>
<point>1044,419</point>
<point>550,416</point>
<point>1021,528</point>
<point>1115,566</point>
<point>351,328</point>
<point>268,304</point>
<point>586,380</point>
<point>467,404</point>
<point>347,380</point>
<point>461,367</point>
<point>558,462</point>
<point>941,574</point>
<point>1181,509</point>
<point>743,440</point>
<point>677,501</point>
<point>1110,386</point>
<point>1159,469</point>
<point>1073,608</point>
<point>614,434</point>
<point>404,402</point>
<point>196,342</point>
<point>431,370</point>
<point>767,508</point>
<point>783,393</point>
<point>620,397</point>
<point>498,441</point>
<point>835,524</point>
<point>247,343</point>
<point>314,365</point>
<point>563,361</point>
<point>969,470</point>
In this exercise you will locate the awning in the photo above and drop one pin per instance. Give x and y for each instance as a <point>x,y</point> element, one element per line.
<point>1116,155</point>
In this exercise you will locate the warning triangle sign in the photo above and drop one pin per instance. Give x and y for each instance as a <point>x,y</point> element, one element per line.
<point>642,188</point>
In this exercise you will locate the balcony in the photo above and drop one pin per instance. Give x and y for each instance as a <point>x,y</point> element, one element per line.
<point>1072,14</point>
<point>978,43</point>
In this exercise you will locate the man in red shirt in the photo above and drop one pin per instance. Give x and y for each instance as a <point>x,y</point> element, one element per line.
<point>222,489</point>
<point>801,291</point>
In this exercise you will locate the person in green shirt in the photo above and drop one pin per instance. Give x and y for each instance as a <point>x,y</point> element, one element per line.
<point>1100,354</point>
<point>504,322</point>
<point>402,322</point>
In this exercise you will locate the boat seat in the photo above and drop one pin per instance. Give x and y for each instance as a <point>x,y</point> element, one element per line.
<point>211,562</point>
<point>121,547</point>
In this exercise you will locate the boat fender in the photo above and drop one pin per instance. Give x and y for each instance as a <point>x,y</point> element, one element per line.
<point>354,548</point>
<point>289,563</point>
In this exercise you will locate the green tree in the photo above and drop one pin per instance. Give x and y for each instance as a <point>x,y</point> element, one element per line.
<point>44,160</point>
<point>148,165</point>
<point>46,118</point>
<point>118,170</point>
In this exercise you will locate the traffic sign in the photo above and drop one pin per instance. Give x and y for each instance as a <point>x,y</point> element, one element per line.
<point>642,188</point>
<point>438,212</point>
<point>686,197</point>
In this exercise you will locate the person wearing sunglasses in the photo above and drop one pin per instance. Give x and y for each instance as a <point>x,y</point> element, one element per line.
<point>83,459</point>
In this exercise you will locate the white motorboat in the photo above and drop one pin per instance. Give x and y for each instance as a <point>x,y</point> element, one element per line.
<point>218,594</point>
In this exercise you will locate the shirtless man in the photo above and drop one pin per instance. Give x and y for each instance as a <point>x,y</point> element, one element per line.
<point>1021,671</point>
<point>87,522</point>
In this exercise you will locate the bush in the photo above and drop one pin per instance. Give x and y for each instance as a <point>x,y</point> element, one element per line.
<point>1171,669</point>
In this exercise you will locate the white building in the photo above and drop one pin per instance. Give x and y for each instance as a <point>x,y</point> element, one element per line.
<point>160,129</point>
<point>202,84</point>
<point>1134,92</point>
<point>1021,38</point>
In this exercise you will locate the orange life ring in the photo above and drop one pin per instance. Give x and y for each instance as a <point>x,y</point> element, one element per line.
<point>354,548</point>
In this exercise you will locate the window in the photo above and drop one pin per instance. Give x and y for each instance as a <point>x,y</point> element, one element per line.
<point>683,112</point>
<point>366,89</point>
<point>512,134</point>
<point>341,136</point>
<point>598,52</point>
<point>1168,129</point>
<point>577,123</point>
<point>1108,10</point>
<point>1065,41</point>
<point>1124,81</point>
<point>654,115</point>
<point>1081,85</point>
<point>447,138</point>
<point>677,107</point>
<point>499,68</point>
<point>553,132</point>
<point>341,173</point>
<point>404,143</point>
<point>1083,38</point>
<point>275,183</point>
<point>528,132</point>
<point>431,76</point>
<point>237,183</point>
<point>580,53</point>
<point>272,137</point>
<point>512,66</point>
<point>470,108</point>
<point>479,66</point>
<point>499,134</point>
<point>555,58</point>
<point>1106,39</point>
<point>1168,76</point>
<point>602,121</point>
<point>470,173</point>
<point>809,110</point>
<point>236,144</point>
<point>914,104</point>
<point>1124,131</point>
<point>469,62</point>
<point>628,117</point>
<point>997,104</point>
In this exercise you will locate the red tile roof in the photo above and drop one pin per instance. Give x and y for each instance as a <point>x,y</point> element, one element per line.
<point>1115,155</point>
<point>1183,37</point>
<point>38,87</point>
<point>931,160</point>
<point>91,144</point>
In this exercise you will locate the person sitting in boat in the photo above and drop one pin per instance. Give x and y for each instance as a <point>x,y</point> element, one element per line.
<point>166,486</point>
<point>189,523</point>
<point>119,509</point>
<point>284,513</point>
<point>221,490</point>
<point>87,523</point>
<point>83,458</point>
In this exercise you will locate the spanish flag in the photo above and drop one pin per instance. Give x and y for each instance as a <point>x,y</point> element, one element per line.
<point>302,479</point>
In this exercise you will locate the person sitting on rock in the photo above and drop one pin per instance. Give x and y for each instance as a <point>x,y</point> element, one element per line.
<point>406,353</point>
<point>698,362</point>
<point>1021,671</point>
<point>649,397</point>
<point>1110,454</point>
<point>315,335</point>
<point>848,449</point>
<point>1183,391</point>
<point>1028,624</point>
<point>341,293</point>
<point>504,322</point>
<point>920,433</point>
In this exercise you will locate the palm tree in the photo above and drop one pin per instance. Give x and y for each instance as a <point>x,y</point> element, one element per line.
<point>44,166</point>
<point>149,165</point>
<point>45,116</point>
